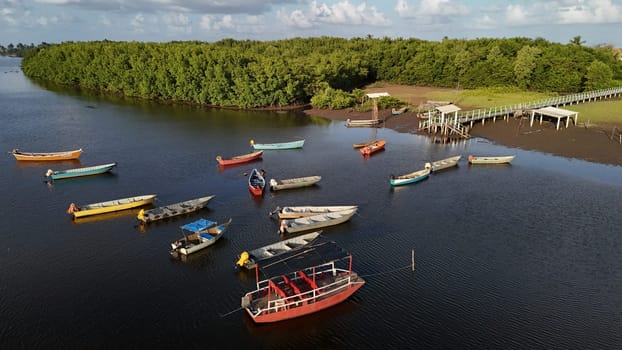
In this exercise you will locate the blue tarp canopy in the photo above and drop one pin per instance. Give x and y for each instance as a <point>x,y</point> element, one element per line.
<point>198,226</point>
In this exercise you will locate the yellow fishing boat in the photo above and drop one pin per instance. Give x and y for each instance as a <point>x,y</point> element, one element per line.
<point>109,206</point>
<point>65,155</point>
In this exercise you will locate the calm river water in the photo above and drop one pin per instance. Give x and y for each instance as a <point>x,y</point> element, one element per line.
<point>527,256</point>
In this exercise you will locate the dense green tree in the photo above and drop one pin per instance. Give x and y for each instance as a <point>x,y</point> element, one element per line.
<point>524,65</point>
<point>598,76</point>
<point>325,71</point>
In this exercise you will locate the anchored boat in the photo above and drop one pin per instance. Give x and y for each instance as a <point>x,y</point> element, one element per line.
<point>410,178</point>
<point>239,159</point>
<point>443,164</point>
<point>172,210</point>
<point>303,285</point>
<point>293,212</point>
<point>256,182</point>
<point>280,145</point>
<point>373,148</point>
<point>298,182</point>
<point>249,259</point>
<point>77,172</point>
<point>44,156</point>
<point>198,235</point>
<point>109,206</point>
<point>316,221</point>
<point>490,160</point>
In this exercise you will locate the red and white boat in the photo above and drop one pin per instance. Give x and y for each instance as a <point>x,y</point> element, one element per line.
<point>374,147</point>
<point>239,159</point>
<point>256,182</point>
<point>303,291</point>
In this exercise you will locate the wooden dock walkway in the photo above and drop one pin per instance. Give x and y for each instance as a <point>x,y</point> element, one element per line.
<point>460,124</point>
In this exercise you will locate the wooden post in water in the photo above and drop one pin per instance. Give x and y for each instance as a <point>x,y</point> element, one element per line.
<point>413,260</point>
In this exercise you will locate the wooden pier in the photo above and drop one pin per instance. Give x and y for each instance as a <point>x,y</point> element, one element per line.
<point>461,122</point>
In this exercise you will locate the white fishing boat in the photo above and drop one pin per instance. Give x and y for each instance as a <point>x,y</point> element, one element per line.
<point>298,182</point>
<point>315,222</point>
<point>172,210</point>
<point>491,159</point>
<point>443,163</point>
<point>362,123</point>
<point>249,259</point>
<point>293,212</point>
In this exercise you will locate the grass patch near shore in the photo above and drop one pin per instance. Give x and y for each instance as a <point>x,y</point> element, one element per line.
<point>605,111</point>
<point>490,97</point>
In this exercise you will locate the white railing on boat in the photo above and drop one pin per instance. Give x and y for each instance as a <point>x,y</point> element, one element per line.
<point>308,296</point>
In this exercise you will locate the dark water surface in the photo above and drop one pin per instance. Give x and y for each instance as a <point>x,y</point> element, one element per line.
<point>527,256</point>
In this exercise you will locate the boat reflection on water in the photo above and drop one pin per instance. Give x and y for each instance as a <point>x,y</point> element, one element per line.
<point>60,164</point>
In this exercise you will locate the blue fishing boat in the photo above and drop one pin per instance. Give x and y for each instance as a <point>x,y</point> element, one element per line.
<point>410,178</point>
<point>76,172</point>
<point>281,145</point>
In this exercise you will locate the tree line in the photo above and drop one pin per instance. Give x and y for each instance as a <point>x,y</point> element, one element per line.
<point>18,50</point>
<point>326,71</point>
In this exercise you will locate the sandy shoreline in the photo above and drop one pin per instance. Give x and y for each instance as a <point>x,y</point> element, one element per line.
<point>591,143</point>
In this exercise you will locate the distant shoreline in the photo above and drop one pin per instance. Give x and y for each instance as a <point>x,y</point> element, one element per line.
<point>590,143</point>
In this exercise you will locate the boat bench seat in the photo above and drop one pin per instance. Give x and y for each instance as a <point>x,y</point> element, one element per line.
<point>207,236</point>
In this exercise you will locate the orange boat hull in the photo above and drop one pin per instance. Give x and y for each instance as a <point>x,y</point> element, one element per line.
<point>47,156</point>
<point>307,309</point>
<point>374,147</point>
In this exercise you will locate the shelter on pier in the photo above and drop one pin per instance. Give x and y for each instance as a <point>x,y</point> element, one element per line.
<point>448,109</point>
<point>553,112</point>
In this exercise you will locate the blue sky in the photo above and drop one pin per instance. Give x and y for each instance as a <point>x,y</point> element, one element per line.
<point>55,21</point>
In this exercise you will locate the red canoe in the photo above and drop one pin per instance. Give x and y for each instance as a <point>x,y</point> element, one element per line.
<point>256,182</point>
<point>374,147</point>
<point>240,159</point>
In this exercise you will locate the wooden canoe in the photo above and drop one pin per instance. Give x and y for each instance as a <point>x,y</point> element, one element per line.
<point>362,123</point>
<point>64,155</point>
<point>373,148</point>
<point>256,182</point>
<point>490,160</point>
<point>79,211</point>
<point>293,212</point>
<point>443,164</point>
<point>315,222</point>
<point>410,178</point>
<point>298,182</point>
<point>172,210</point>
<point>239,159</point>
<point>281,145</point>
<point>77,172</point>
<point>363,144</point>
<point>249,259</point>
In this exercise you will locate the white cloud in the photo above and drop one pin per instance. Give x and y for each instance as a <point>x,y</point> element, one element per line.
<point>104,20</point>
<point>178,23</point>
<point>45,21</point>
<point>404,9</point>
<point>340,13</point>
<point>596,11</point>
<point>225,23</point>
<point>517,15</point>
<point>252,7</point>
<point>138,23</point>
<point>430,9</point>
<point>295,19</point>
<point>485,22</point>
